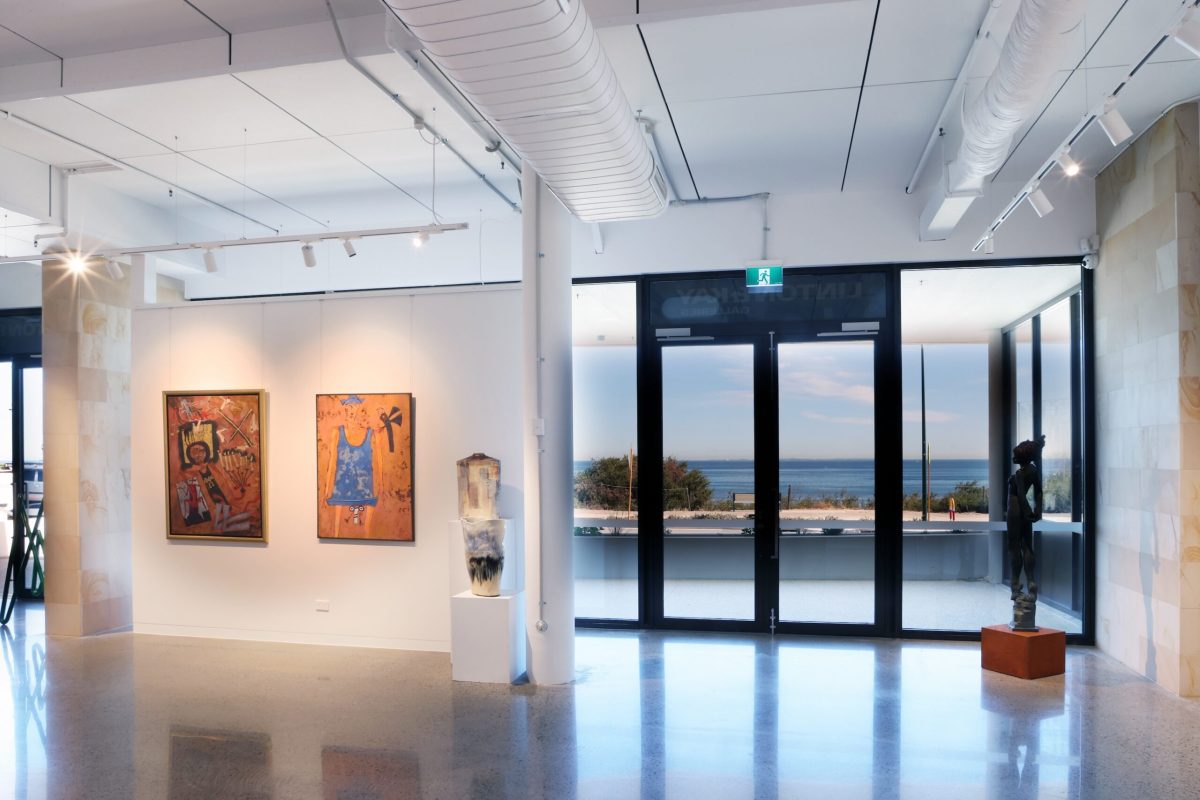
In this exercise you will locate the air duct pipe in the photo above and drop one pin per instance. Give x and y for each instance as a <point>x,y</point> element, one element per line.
<point>536,70</point>
<point>1027,62</point>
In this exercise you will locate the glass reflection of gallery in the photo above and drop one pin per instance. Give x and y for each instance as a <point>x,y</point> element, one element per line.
<point>833,455</point>
<point>21,468</point>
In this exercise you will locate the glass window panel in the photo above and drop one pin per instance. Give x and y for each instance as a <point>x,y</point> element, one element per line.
<point>708,481</point>
<point>827,481</point>
<point>604,379</point>
<point>1023,374</point>
<point>6,454</point>
<point>1056,410</point>
<point>953,575</point>
<point>1059,547</point>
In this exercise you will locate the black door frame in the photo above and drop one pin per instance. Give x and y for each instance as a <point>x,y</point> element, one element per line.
<point>889,438</point>
<point>765,337</point>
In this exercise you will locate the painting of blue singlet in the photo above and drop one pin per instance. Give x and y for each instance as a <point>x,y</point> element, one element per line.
<point>354,481</point>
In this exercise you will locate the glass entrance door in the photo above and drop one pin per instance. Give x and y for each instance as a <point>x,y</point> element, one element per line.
<point>708,482</point>
<point>826,397</point>
<point>768,483</point>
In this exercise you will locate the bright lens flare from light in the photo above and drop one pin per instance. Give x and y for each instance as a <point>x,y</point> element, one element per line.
<point>77,264</point>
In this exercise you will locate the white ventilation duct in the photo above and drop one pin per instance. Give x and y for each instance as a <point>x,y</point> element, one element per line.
<point>536,70</point>
<point>1027,62</point>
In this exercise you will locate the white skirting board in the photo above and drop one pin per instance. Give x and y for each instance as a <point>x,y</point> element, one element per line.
<point>512,579</point>
<point>487,637</point>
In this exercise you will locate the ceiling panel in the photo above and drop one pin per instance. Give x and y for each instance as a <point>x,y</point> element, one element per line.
<point>84,27</point>
<point>405,159</point>
<point>893,126</point>
<point>1137,26</point>
<point>239,16</point>
<point>63,115</point>
<point>289,169</point>
<point>928,46</point>
<point>202,113</point>
<point>14,50</point>
<point>628,57</point>
<point>790,142</point>
<point>330,96</point>
<point>38,146</point>
<point>400,77</point>
<point>761,53</point>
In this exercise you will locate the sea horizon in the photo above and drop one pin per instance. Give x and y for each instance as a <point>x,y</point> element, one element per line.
<point>826,477</point>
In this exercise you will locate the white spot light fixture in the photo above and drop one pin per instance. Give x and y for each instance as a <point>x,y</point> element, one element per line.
<point>1188,34</point>
<point>210,260</point>
<point>1070,166</point>
<point>113,269</point>
<point>310,255</point>
<point>1041,204</point>
<point>420,239</point>
<point>1113,124</point>
<point>349,248</point>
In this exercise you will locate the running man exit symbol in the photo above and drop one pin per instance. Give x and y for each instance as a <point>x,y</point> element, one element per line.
<point>764,278</point>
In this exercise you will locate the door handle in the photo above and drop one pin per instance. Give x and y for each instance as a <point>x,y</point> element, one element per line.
<point>778,525</point>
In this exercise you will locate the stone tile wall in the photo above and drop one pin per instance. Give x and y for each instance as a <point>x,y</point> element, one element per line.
<point>86,360</point>
<point>1148,403</point>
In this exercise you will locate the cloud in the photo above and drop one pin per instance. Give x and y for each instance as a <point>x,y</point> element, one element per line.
<point>931,415</point>
<point>839,420</point>
<point>840,385</point>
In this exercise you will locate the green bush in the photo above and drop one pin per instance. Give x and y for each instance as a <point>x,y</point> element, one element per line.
<point>605,484</point>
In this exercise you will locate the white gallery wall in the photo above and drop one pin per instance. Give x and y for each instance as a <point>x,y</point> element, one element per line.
<point>458,353</point>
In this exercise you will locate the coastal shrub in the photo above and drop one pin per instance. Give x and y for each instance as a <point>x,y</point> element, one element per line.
<point>1056,493</point>
<point>606,484</point>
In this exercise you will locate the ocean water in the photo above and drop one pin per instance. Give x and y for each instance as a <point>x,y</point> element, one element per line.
<point>823,477</point>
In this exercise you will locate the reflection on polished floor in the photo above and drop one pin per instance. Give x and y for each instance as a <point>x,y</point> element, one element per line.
<point>651,715</point>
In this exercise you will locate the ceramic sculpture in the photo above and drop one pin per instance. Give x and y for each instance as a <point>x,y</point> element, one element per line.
<point>483,531</point>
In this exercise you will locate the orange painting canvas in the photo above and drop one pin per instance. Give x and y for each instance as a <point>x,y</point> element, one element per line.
<point>364,467</point>
<point>215,451</point>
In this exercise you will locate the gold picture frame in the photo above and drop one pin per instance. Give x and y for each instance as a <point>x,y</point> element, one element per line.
<point>215,453</point>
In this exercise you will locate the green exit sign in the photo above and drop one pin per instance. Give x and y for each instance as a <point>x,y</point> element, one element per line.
<point>764,279</point>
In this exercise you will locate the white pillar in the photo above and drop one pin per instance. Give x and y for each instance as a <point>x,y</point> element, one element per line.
<point>549,476</point>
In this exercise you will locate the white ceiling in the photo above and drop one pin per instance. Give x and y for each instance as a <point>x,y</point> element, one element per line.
<point>771,99</point>
<point>968,305</point>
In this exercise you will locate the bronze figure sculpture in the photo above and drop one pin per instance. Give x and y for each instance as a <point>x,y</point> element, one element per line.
<point>1020,518</point>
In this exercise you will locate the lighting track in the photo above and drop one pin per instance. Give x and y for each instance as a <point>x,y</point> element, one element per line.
<point>302,238</point>
<point>1104,113</point>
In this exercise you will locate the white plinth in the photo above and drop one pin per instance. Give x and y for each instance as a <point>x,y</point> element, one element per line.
<point>513,577</point>
<point>487,637</point>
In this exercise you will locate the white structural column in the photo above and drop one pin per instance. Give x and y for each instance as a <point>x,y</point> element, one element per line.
<point>549,476</point>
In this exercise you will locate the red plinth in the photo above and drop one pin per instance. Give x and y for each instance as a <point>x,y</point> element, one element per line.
<point>1024,654</point>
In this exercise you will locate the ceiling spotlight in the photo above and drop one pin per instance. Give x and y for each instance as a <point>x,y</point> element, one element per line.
<point>1114,125</point>
<point>420,239</point>
<point>1041,204</point>
<point>113,269</point>
<point>989,244</point>
<point>1070,166</point>
<point>310,256</point>
<point>210,260</point>
<point>1188,35</point>
<point>76,264</point>
<point>349,246</point>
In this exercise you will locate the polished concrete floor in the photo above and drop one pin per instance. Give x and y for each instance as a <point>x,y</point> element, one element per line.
<point>651,715</point>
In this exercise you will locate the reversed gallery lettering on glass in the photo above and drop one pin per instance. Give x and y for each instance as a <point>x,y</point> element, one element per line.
<point>214,465</point>
<point>364,467</point>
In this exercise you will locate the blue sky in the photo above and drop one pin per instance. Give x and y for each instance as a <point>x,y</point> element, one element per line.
<point>826,401</point>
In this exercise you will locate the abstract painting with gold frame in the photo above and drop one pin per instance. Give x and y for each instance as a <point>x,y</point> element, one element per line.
<point>364,467</point>
<point>215,454</point>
